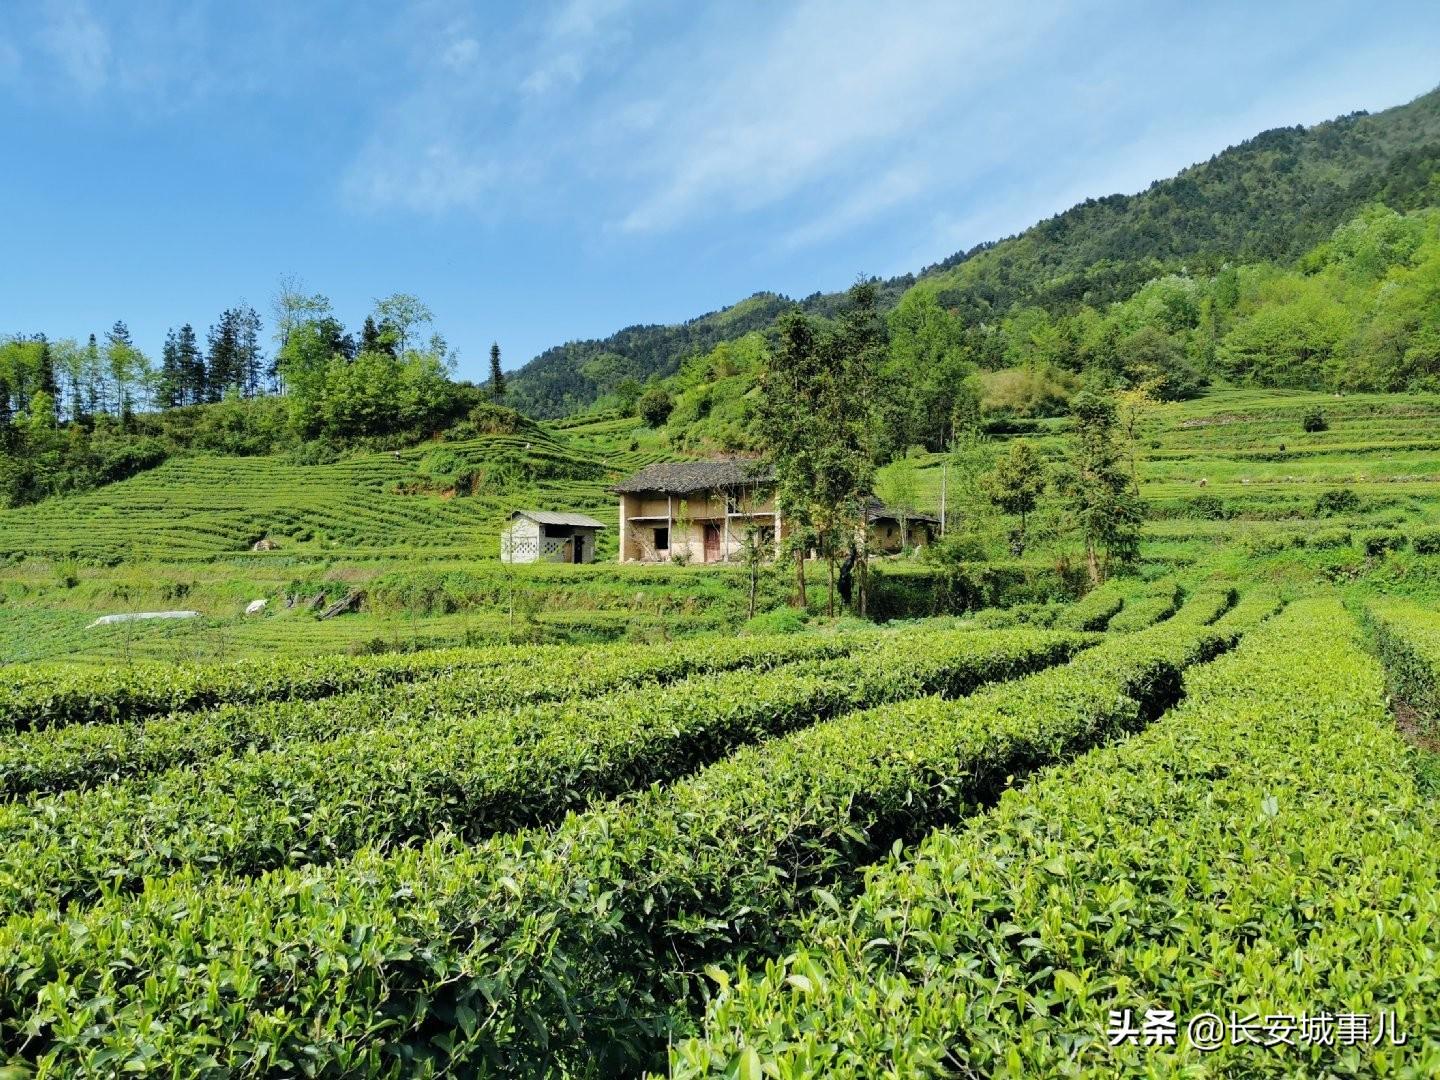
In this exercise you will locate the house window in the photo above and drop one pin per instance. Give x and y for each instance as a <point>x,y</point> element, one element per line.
<point>732,503</point>
<point>662,539</point>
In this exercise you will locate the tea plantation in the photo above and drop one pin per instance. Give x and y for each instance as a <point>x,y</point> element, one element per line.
<point>601,821</point>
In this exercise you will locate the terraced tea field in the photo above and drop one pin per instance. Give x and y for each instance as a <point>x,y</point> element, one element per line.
<point>205,506</point>
<point>537,859</point>
<point>960,845</point>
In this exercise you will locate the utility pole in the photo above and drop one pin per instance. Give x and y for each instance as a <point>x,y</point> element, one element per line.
<point>944,475</point>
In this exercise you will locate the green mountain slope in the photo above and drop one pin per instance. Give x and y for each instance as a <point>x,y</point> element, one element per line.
<point>1270,198</point>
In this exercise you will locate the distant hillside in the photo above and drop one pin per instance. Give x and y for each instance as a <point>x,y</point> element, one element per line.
<point>1272,198</point>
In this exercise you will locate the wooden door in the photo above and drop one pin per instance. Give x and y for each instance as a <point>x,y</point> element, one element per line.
<point>712,543</point>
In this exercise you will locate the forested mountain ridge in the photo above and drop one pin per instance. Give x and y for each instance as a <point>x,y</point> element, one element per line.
<point>1272,197</point>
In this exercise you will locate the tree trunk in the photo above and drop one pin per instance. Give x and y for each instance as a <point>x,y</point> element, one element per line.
<point>830,597</point>
<point>800,578</point>
<point>1092,561</point>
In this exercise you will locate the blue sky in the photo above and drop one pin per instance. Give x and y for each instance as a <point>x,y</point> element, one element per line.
<point>543,172</point>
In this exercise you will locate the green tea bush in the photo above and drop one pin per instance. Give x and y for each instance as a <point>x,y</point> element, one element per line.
<point>780,621</point>
<point>577,949</point>
<point>1237,857</point>
<point>1407,639</point>
<point>1208,507</point>
<point>1093,610</point>
<point>1425,541</point>
<point>460,768</point>
<point>1336,501</point>
<point>1327,538</point>
<point>1380,541</point>
<point>400,691</point>
<point>1146,610</point>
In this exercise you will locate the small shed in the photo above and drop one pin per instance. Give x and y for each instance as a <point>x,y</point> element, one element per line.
<point>894,530</point>
<point>549,536</point>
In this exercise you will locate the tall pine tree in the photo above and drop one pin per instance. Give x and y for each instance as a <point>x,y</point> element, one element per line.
<point>120,362</point>
<point>170,390</point>
<point>45,363</point>
<point>497,377</point>
<point>191,365</point>
<point>94,378</point>
<point>223,365</point>
<point>247,340</point>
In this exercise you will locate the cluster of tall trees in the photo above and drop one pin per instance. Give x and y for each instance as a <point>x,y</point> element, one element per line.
<point>231,361</point>
<point>74,415</point>
<point>825,408</point>
<point>816,408</point>
<point>393,381</point>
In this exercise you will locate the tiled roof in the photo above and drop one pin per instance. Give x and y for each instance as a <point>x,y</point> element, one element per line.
<point>875,509</point>
<point>550,517</point>
<point>688,477</point>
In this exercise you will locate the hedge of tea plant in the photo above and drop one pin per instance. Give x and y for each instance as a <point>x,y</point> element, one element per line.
<point>1093,610</point>
<point>46,696</point>
<point>1407,638</point>
<point>1256,854</point>
<point>472,773</point>
<point>84,755</point>
<point>1147,609</point>
<point>577,948</point>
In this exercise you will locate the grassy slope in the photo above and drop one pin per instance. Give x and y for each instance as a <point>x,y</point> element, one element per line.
<point>180,535</point>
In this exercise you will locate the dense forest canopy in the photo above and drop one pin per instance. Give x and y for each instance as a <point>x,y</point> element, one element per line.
<point>1359,311</point>
<point>1270,199</point>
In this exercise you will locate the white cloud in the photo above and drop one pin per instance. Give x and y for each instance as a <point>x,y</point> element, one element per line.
<point>430,178</point>
<point>578,32</point>
<point>78,43</point>
<point>870,198</point>
<point>827,89</point>
<point>460,53</point>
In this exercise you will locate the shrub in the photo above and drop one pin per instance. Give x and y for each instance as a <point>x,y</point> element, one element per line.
<point>67,572</point>
<point>1266,543</point>
<point>1382,540</point>
<point>460,431</point>
<point>1026,392</point>
<point>313,453</point>
<point>491,419</point>
<point>1336,501</point>
<point>1425,541</point>
<point>779,621</point>
<point>129,459</point>
<point>655,406</point>
<point>1209,507</point>
<point>440,464</point>
<point>1314,420</point>
<point>1328,538</point>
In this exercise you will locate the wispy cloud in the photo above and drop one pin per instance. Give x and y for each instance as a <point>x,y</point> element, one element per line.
<point>77,43</point>
<point>578,32</point>
<point>868,200</point>
<point>729,113</point>
<point>829,88</point>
